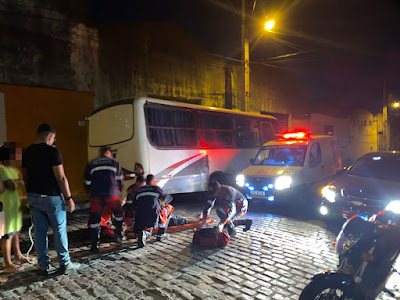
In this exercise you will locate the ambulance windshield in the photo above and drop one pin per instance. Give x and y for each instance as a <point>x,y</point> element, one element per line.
<point>277,155</point>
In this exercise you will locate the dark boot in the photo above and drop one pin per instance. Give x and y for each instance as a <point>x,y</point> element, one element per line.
<point>230,227</point>
<point>95,237</point>
<point>245,222</point>
<point>142,237</point>
<point>117,235</point>
<point>161,235</point>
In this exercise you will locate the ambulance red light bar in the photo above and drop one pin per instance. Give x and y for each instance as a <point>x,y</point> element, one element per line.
<point>296,135</point>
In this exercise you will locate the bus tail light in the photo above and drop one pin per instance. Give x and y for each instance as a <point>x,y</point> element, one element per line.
<point>139,169</point>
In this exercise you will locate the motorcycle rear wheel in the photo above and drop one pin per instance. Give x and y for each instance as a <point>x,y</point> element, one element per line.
<point>328,290</point>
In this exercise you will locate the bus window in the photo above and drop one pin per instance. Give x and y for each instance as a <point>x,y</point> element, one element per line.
<point>185,134</point>
<point>111,126</point>
<point>171,128</point>
<point>247,134</point>
<point>161,136</point>
<point>185,137</point>
<point>214,130</point>
<point>183,118</point>
<point>206,138</point>
<point>267,132</point>
<point>159,117</point>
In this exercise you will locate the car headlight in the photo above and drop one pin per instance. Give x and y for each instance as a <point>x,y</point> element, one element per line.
<point>283,182</point>
<point>240,180</point>
<point>394,206</point>
<point>329,193</point>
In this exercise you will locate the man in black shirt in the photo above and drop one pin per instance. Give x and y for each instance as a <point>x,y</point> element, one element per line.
<point>45,182</point>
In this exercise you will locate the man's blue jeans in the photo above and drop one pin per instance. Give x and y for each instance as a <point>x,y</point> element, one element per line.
<point>49,210</point>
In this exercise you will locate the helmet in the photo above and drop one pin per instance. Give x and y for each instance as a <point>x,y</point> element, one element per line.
<point>386,217</point>
<point>356,226</point>
<point>352,231</point>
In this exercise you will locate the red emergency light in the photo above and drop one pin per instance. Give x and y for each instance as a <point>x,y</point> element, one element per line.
<point>296,135</point>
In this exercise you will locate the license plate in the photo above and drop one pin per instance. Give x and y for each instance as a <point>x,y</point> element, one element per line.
<point>257,193</point>
<point>365,217</point>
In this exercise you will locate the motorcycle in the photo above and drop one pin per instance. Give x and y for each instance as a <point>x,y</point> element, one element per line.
<point>367,251</point>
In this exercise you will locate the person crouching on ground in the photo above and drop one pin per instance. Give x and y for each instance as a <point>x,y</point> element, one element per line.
<point>147,211</point>
<point>165,212</point>
<point>129,207</point>
<point>103,182</point>
<point>230,203</point>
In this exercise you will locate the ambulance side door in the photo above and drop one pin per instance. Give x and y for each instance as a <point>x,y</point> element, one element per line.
<point>313,169</point>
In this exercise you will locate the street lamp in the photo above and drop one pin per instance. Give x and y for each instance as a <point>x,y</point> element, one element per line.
<point>269,25</point>
<point>245,105</point>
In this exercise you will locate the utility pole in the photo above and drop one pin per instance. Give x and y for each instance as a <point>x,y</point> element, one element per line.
<point>246,61</point>
<point>385,118</point>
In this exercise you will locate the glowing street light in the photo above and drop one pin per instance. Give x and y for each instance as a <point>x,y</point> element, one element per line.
<point>396,104</point>
<point>269,25</point>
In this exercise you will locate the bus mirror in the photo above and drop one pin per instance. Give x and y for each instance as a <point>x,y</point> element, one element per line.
<point>251,160</point>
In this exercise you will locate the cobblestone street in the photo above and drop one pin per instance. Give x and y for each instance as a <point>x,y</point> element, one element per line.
<point>274,260</point>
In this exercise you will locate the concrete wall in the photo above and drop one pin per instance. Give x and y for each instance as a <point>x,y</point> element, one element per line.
<point>53,44</point>
<point>356,132</point>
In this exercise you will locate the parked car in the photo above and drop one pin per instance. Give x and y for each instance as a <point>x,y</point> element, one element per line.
<point>368,186</point>
<point>290,168</point>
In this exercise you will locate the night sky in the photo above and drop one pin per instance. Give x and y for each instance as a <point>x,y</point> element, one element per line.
<point>343,50</point>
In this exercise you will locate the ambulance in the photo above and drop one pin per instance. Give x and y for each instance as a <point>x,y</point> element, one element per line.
<point>291,168</point>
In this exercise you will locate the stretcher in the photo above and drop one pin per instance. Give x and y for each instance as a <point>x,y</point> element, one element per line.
<point>178,227</point>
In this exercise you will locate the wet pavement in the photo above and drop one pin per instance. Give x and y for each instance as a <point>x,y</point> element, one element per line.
<point>274,260</point>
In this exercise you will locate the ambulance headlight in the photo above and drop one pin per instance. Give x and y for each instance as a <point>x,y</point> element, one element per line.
<point>283,182</point>
<point>329,193</point>
<point>240,180</point>
<point>394,206</point>
<point>323,210</point>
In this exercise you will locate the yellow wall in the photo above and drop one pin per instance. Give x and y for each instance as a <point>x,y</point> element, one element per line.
<point>27,107</point>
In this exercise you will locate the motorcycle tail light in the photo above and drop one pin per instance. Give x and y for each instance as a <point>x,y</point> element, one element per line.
<point>367,257</point>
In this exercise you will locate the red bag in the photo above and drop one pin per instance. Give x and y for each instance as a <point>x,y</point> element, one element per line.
<point>211,238</point>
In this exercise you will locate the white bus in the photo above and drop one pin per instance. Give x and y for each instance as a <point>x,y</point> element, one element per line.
<point>181,144</point>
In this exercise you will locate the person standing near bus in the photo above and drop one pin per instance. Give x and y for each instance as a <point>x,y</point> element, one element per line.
<point>103,182</point>
<point>45,182</point>
<point>230,203</point>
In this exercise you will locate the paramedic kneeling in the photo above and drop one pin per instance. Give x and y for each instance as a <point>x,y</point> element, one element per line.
<point>229,203</point>
<point>148,208</point>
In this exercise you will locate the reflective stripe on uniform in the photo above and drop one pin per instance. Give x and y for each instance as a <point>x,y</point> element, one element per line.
<point>119,177</point>
<point>118,218</point>
<point>103,168</point>
<point>147,194</point>
<point>210,201</point>
<point>128,201</point>
<point>88,182</point>
<point>95,225</point>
